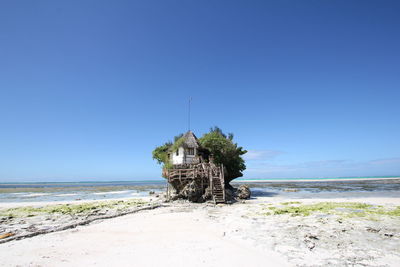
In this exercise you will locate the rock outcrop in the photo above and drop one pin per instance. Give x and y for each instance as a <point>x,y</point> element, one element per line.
<point>243,192</point>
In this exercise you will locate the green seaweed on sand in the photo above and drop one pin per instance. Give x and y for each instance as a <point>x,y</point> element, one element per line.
<point>344,209</point>
<point>394,212</point>
<point>291,202</point>
<point>70,209</point>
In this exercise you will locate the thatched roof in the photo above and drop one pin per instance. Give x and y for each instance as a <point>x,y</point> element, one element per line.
<point>190,140</point>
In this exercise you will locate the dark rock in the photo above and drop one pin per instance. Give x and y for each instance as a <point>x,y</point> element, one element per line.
<point>174,197</point>
<point>308,239</point>
<point>193,192</point>
<point>32,228</point>
<point>310,236</point>
<point>311,245</point>
<point>229,194</point>
<point>243,192</point>
<point>372,230</point>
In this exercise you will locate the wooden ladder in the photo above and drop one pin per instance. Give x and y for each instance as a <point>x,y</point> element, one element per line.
<point>218,185</point>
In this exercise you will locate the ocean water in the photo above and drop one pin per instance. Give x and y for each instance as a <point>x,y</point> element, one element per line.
<point>67,191</point>
<point>318,178</point>
<point>326,188</point>
<point>293,188</point>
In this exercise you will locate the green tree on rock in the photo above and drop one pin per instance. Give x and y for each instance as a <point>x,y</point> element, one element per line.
<point>225,152</point>
<point>218,144</point>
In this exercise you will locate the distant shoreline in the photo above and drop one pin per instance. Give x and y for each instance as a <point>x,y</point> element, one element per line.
<point>163,181</point>
<point>315,180</point>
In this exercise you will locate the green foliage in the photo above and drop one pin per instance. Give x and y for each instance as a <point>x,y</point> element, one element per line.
<point>168,165</point>
<point>225,152</point>
<point>219,144</point>
<point>161,153</point>
<point>178,142</point>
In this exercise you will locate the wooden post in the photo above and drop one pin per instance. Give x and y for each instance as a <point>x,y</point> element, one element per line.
<point>168,190</point>
<point>222,179</point>
<point>211,181</point>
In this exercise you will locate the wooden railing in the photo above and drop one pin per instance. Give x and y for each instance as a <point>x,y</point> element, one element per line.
<point>222,179</point>
<point>195,172</point>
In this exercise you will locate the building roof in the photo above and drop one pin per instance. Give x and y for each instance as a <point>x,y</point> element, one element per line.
<point>190,140</point>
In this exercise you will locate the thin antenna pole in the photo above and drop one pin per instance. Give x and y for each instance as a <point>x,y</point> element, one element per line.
<point>190,100</point>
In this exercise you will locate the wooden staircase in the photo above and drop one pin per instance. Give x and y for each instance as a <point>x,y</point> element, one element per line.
<point>208,173</point>
<point>218,184</point>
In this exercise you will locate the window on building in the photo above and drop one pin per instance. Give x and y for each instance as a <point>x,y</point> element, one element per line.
<point>177,152</point>
<point>190,151</point>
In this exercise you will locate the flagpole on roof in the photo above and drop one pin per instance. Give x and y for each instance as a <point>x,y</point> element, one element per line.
<point>190,100</point>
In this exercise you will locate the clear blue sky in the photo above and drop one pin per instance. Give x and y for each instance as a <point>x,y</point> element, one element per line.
<point>89,88</point>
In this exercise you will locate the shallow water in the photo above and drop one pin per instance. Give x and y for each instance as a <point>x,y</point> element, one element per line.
<point>29,192</point>
<point>38,192</point>
<point>327,189</point>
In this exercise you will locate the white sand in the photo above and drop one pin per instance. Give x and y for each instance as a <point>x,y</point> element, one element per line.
<point>151,238</point>
<point>204,235</point>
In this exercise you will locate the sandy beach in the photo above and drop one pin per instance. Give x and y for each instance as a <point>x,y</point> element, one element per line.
<point>182,233</point>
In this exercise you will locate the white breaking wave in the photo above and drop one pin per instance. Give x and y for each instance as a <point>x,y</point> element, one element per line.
<point>36,195</point>
<point>65,195</point>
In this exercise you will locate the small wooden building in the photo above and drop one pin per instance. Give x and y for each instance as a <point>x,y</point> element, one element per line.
<point>187,152</point>
<point>192,174</point>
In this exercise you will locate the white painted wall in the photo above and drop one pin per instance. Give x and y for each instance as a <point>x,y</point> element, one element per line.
<point>180,159</point>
